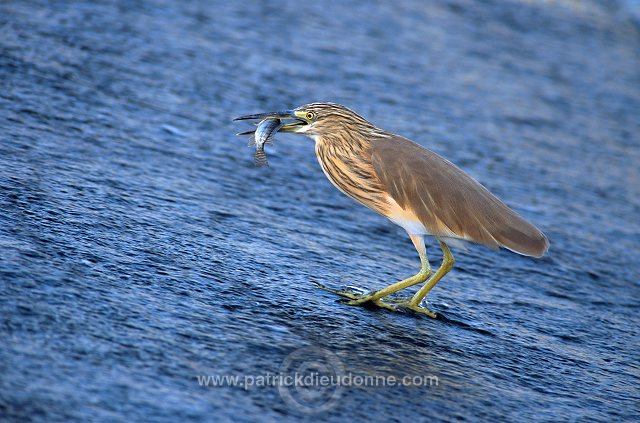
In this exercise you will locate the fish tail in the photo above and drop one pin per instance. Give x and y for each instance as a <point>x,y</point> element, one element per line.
<point>260,158</point>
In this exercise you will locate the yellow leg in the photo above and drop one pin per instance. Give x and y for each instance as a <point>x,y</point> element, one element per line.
<point>423,275</point>
<point>414,302</point>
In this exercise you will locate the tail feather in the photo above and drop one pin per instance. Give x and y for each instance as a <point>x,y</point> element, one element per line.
<point>520,236</point>
<point>529,246</point>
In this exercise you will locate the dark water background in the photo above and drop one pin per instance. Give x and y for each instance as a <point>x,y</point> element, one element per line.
<point>140,247</point>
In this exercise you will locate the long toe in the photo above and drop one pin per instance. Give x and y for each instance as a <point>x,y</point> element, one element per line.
<point>361,299</point>
<point>407,305</point>
<point>347,293</point>
<point>366,300</point>
<point>353,298</point>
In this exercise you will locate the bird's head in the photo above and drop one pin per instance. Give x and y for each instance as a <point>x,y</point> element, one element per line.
<point>317,119</point>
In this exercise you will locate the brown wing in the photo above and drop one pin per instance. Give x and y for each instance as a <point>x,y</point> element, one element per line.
<point>448,202</point>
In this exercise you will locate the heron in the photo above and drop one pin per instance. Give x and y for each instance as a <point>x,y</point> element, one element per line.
<point>414,188</point>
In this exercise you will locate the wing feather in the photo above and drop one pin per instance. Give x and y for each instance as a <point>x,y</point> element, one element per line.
<point>448,202</point>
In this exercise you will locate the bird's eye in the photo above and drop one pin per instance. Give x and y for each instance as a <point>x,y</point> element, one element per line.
<point>310,116</point>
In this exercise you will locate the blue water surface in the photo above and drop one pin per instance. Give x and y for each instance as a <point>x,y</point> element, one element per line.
<point>140,248</point>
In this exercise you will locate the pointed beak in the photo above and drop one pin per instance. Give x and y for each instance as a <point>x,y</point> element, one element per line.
<point>287,115</point>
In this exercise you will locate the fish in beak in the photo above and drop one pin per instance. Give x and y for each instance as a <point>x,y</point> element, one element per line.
<point>296,121</point>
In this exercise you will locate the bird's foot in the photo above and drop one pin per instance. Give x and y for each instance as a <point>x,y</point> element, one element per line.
<point>347,293</point>
<point>409,305</point>
<point>353,298</point>
<point>366,300</point>
<point>369,298</point>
